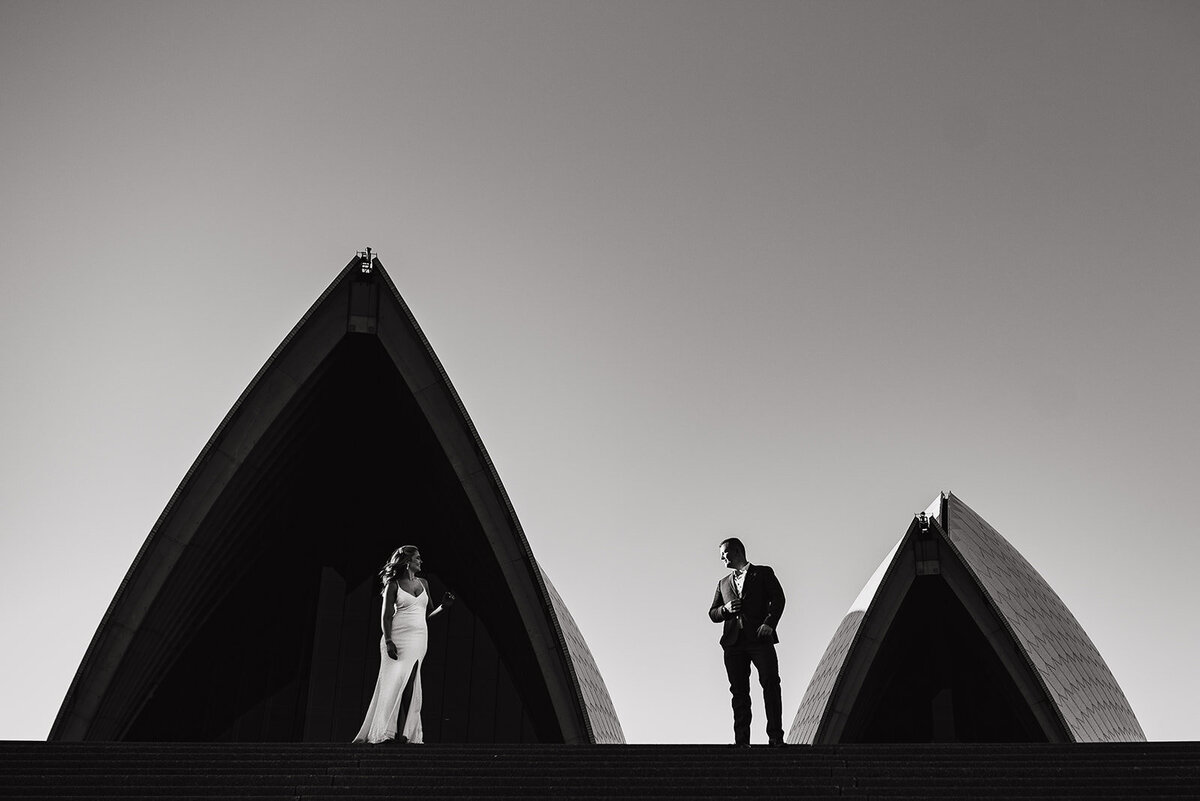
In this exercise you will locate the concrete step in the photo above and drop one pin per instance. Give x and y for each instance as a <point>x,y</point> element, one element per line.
<point>113,771</point>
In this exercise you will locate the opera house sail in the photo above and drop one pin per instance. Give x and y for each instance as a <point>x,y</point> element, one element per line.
<point>956,638</point>
<point>251,612</point>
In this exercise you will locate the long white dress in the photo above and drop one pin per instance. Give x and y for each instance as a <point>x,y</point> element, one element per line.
<point>411,636</point>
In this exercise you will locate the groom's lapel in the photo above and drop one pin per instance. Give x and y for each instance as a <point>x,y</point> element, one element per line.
<point>751,580</point>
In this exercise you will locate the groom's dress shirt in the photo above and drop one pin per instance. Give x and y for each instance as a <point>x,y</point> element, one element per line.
<point>739,581</point>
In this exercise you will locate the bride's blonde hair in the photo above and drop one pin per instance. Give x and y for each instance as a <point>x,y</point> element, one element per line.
<point>396,564</point>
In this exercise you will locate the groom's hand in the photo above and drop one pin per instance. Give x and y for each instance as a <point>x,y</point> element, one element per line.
<point>734,606</point>
<point>765,631</point>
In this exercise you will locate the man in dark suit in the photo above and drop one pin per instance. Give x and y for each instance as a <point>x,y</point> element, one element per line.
<point>749,602</point>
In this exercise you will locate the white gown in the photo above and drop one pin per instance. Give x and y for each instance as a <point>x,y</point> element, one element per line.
<point>411,636</point>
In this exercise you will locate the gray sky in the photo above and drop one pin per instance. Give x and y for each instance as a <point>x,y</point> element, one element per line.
<point>775,270</point>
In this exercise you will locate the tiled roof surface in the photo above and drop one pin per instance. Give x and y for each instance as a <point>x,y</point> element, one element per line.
<point>808,716</point>
<point>606,728</point>
<point>1080,683</point>
<point>1092,705</point>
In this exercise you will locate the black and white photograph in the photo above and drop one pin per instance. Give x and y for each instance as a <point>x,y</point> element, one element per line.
<point>721,391</point>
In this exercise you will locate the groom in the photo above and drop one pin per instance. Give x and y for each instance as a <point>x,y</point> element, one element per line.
<point>749,601</point>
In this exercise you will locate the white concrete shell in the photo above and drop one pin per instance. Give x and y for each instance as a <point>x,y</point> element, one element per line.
<point>1069,691</point>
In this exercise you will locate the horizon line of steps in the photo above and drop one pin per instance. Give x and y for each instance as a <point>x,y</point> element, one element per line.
<point>323,772</point>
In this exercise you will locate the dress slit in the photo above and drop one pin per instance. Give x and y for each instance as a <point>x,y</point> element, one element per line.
<point>407,696</point>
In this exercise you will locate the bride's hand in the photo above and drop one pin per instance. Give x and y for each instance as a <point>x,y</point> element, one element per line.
<point>448,600</point>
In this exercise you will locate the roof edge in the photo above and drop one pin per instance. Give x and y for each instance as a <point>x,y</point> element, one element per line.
<point>532,568</point>
<point>62,726</point>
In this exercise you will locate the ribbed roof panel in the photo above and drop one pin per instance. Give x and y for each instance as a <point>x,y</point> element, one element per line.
<point>1076,676</point>
<point>602,715</point>
<point>1061,657</point>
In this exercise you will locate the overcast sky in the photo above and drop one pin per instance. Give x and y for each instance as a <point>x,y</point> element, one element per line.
<point>775,270</point>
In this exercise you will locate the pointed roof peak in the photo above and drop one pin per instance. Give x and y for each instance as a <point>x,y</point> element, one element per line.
<point>1067,688</point>
<point>275,471</point>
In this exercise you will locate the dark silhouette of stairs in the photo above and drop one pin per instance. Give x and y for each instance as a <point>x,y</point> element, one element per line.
<point>115,771</point>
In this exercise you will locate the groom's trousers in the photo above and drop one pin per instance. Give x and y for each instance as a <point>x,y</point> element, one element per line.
<point>738,658</point>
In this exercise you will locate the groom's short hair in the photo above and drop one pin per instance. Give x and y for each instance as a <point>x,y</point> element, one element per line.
<point>734,544</point>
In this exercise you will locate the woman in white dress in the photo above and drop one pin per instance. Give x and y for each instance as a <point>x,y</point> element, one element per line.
<point>401,650</point>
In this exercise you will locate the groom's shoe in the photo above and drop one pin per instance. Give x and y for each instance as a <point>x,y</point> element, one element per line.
<point>777,743</point>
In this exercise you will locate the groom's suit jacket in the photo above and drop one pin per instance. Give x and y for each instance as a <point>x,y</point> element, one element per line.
<point>762,602</point>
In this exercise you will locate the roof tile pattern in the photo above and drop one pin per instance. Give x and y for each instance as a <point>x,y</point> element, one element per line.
<point>602,716</point>
<point>1091,703</point>
<point>808,716</point>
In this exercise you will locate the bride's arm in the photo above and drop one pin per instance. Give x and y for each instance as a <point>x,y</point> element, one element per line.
<point>389,611</point>
<point>447,601</point>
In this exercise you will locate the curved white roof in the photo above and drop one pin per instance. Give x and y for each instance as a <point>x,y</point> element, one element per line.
<point>1070,671</point>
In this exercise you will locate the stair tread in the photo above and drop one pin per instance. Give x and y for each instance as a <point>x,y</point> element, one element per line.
<point>908,772</point>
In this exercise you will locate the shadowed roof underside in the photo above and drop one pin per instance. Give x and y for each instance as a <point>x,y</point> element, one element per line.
<point>1027,646</point>
<point>350,429</point>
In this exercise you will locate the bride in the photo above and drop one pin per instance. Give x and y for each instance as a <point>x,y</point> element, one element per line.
<point>401,650</point>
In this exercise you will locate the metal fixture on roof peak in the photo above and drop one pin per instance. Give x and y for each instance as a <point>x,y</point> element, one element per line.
<point>365,261</point>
